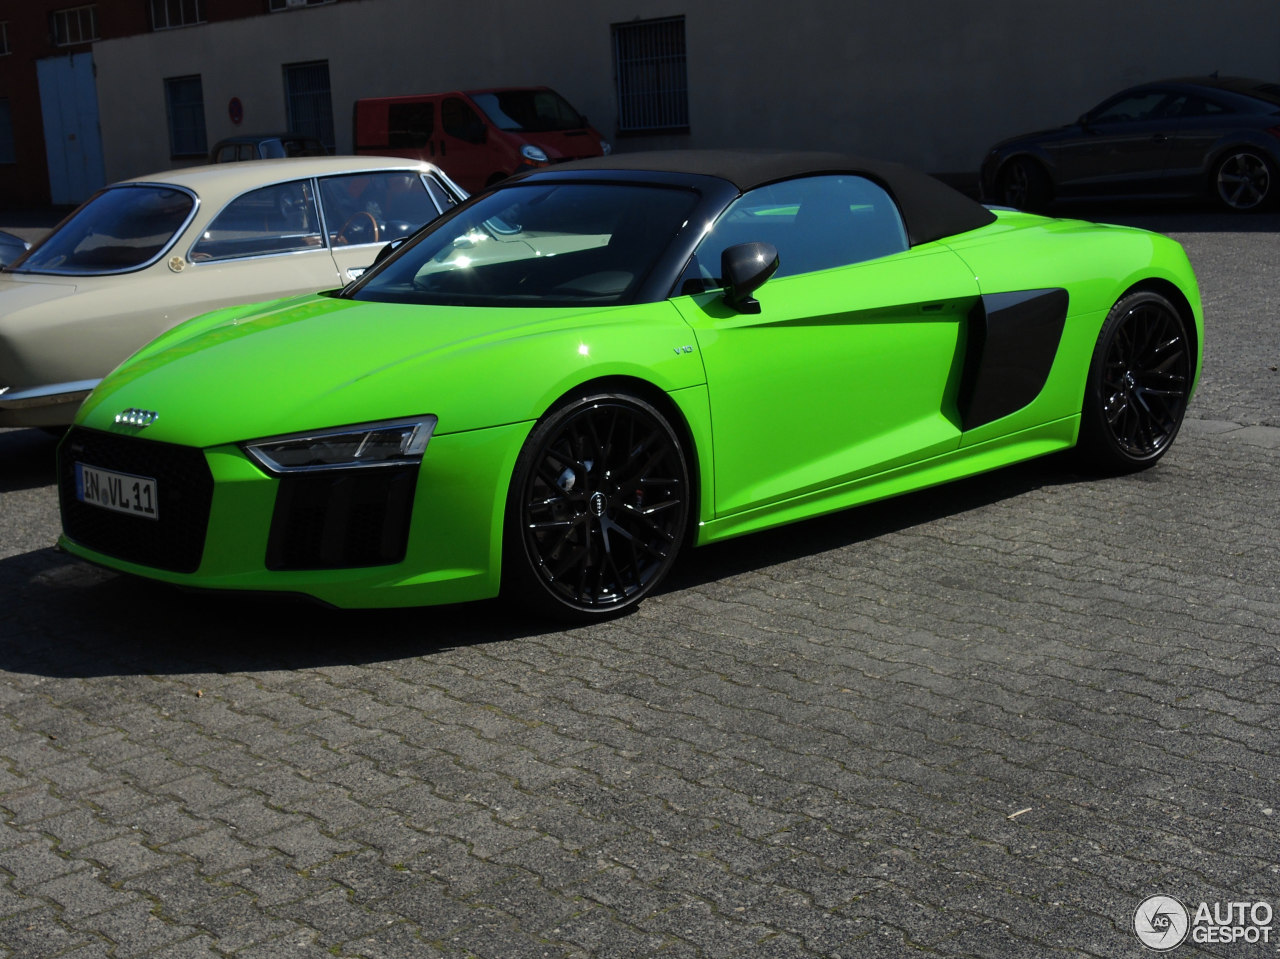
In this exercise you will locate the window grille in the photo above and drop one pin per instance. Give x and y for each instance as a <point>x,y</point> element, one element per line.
<point>76,25</point>
<point>167,14</point>
<point>184,98</point>
<point>309,102</point>
<point>649,69</point>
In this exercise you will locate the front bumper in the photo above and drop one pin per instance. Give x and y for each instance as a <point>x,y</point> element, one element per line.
<point>54,404</point>
<point>451,549</point>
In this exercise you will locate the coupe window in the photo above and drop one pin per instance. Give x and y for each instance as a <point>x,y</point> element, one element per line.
<point>121,229</point>
<point>543,244</point>
<point>815,223</point>
<point>375,207</point>
<point>280,218</point>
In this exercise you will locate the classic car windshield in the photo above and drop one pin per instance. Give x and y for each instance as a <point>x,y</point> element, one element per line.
<point>122,228</point>
<point>545,244</point>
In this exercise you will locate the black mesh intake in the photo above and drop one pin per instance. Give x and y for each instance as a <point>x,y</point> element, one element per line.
<point>184,489</point>
<point>342,518</point>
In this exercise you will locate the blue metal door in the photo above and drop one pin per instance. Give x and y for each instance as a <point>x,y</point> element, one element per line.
<point>72,139</point>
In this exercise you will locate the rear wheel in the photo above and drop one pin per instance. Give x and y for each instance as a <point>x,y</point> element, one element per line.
<point>1023,185</point>
<point>1138,387</point>
<point>1243,181</point>
<point>598,509</point>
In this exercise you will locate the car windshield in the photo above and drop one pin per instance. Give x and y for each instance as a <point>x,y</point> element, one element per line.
<point>538,244</point>
<point>122,228</point>
<point>531,111</point>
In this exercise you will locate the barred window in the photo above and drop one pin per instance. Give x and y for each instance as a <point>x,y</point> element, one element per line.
<point>167,14</point>
<point>275,6</point>
<point>308,100</point>
<point>184,99</point>
<point>649,69</point>
<point>76,25</point>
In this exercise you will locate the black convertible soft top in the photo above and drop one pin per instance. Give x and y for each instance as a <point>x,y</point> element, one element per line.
<point>932,210</point>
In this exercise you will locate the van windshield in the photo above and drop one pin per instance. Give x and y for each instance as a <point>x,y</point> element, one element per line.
<point>529,111</point>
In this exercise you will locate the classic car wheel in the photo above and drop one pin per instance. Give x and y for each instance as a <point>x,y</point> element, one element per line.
<point>1138,386</point>
<point>1023,185</point>
<point>599,507</point>
<point>1243,181</point>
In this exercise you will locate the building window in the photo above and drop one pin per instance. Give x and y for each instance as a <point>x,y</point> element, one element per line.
<point>275,6</point>
<point>167,14</point>
<point>649,68</point>
<point>4,38</point>
<point>184,99</point>
<point>76,25</point>
<point>308,101</point>
<point>8,153</point>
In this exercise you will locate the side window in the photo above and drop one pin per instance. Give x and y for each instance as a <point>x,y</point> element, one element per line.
<point>410,125</point>
<point>375,207</point>
<point>275,219</point>
<point>442,197</point>
<point>1200,107</point>
<point>1144,106</point>
<point>460,121</point>
<point>816,223</point>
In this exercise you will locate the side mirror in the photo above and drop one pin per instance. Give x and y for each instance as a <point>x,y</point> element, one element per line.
<point>743,270</point>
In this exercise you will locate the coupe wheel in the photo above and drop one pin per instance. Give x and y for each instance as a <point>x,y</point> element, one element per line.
<point>599,507</point>
<point>1023,185</point>
<point>1139,383</point>
<point>1243,181</point>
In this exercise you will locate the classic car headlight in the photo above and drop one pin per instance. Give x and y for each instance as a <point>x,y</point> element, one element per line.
<point>395,443</point>
<point>531,152</point>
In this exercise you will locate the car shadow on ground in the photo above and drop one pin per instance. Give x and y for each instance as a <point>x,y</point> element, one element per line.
<point>64,618</point>
<point>27,459</point>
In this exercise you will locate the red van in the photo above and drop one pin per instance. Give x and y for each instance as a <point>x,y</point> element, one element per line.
<point>477,136</point>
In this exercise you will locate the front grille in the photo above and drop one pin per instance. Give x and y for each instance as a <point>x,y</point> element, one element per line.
<point>184,487</point>
<point>342,519</point>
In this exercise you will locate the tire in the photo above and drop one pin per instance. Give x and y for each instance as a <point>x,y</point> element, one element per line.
<point>1243,181</point>
<point>1023,185</point>
<point>598,509</point>
<point>1138,386</point>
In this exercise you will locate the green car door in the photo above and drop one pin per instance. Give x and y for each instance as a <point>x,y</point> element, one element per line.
<point>853,362</point>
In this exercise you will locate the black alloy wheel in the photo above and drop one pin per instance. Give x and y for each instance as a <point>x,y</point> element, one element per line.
<point>1139,384</point>
<point>599,507</point>
<point>1243,181</point>
<point>1023,185</point>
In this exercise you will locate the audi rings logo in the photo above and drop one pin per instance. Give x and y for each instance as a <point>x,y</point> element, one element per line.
<point>1161,922</point>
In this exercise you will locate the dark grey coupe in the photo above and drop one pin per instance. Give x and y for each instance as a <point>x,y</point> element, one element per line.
<point>1200,136</point>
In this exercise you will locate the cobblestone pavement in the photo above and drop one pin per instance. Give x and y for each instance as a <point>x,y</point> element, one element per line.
<point>985,720</point>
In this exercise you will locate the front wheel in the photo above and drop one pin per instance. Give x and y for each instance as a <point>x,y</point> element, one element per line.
<point>598,509</point>
<point>1138,386</point>
<point>1243,181</point>
<point>1023,185</point>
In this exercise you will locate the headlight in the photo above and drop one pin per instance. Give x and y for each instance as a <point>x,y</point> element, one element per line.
<point>605,148</point>
<point>395,443</point>
<point>531,152</point>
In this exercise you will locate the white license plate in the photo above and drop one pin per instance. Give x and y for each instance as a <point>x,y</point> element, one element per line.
<point>122,492</point>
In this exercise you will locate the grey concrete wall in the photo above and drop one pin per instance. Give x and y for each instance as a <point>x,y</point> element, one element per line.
<point>926,82</point>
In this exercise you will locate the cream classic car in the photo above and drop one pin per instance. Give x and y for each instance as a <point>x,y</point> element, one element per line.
<point>142,255</point>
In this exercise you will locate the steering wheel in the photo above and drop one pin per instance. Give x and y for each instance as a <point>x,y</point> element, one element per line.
<point>342,234</point>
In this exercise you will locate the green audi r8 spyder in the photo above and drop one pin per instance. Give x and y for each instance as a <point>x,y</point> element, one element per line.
<point>555,388</point>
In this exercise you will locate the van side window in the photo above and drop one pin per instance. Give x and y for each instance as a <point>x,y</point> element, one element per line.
<point>410,124</point>
<point>460,121</point>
